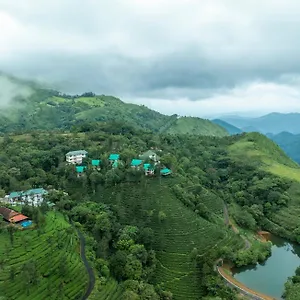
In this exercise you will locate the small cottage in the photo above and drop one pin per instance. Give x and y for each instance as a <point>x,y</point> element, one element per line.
<point>80,170</point>
<point>136,163</point>
<point>149,169</point>
<point>165,172</point>
<point>96,164</point>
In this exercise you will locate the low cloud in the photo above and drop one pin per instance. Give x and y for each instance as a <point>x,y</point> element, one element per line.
<point>12,90</point>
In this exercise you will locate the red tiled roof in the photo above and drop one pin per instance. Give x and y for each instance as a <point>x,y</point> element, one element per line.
<point>8,213</point>
<point>18,218</point>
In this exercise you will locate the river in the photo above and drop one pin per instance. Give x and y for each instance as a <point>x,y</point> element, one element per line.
<point>269,277</point>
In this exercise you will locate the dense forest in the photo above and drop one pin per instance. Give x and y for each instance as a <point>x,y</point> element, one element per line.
<point>157,237</point>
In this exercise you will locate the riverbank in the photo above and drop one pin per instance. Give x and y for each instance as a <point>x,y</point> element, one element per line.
<point>225,272</point>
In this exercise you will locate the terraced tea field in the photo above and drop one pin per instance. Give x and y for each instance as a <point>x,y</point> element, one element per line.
<point>175,237</point>
<point>42,266</point>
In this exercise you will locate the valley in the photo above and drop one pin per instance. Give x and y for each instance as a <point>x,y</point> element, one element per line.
<point>147,233</point>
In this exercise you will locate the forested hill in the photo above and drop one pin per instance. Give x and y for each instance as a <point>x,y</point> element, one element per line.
<point>156,237</point>
<point>37,108</point>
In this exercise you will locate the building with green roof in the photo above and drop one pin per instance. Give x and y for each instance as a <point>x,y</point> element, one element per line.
<point>115,164</point>
<point>32,196</point>
<point>165,172</point>
<point>114,156</point>
<point>80,170</point>
<point>96,162</point>
<point>149,169</point>
<point>136,163</point>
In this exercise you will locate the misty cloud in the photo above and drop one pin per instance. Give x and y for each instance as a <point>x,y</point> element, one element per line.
<point>207,55</point>
<point>11,90</point>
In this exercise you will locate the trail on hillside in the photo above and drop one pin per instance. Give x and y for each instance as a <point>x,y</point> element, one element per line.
<point>87,266</point>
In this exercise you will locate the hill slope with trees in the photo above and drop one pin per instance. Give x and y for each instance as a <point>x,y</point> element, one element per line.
<point>159,236</point>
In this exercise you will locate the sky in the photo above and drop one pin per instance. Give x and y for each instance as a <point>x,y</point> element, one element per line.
<point>201,58</point>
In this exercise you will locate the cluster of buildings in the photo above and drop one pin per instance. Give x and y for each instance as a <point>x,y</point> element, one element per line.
<point>77,157</point>
<point>33,197</point>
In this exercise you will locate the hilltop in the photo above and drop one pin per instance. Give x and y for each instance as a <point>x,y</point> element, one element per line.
<point>44,109</point>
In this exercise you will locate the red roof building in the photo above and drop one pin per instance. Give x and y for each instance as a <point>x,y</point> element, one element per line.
<point>11,215</point>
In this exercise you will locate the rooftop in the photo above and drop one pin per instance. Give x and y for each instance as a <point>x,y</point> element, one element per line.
<point>165,171</point>
<point>7,213</point>
<point>96,162</point>
<point>136,162</point>
<point>148,154</point>
<point>18,218</point>
<point>148,167</point>
<point>80,169</point>
<point>77,152</point>
<point>115,164</point>
<point>114,156</point>
<point>27,193</point>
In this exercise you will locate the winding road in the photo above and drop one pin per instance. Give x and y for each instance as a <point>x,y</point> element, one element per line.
<point>87,267</point>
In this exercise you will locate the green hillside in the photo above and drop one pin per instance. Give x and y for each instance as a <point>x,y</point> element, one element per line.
<point>196,126</point>
<point>35,107</point>
<point>265,154</point>
<point>43,264</point>
<point>153,237</point>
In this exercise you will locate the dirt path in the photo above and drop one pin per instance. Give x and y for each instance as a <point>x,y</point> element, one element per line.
<point>87,266</point>
<point>242,288</point>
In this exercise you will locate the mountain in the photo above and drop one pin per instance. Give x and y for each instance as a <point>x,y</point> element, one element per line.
<point>229,128</point>
<point>43,109</point>
<point>289,142</point>
<point>271,123</point>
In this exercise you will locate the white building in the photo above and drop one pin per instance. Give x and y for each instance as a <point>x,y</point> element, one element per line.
<point>32,197</point>
<point>76,157</point>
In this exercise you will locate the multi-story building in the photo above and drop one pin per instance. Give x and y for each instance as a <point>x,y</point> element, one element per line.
<point>76,157</point>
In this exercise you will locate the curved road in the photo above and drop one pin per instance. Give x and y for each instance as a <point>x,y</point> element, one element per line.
<point>87,266</point>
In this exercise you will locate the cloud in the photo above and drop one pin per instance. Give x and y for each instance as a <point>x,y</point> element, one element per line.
<point>255,99</point>
<point>201,51</point>
<point>11,90</point>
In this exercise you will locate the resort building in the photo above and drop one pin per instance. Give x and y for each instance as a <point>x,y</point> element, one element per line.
<point>96,164</point>
<point>12,216</point>
<point>80,170</point>
<point>136,163</point>
<point>165,172</point>
<point>149,169</point>
<point>113,158</point>
<point>31,197</point>
<point>76,157</point>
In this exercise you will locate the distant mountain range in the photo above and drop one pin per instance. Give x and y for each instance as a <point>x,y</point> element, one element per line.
<point>272,123</point>
<point>283,129</point>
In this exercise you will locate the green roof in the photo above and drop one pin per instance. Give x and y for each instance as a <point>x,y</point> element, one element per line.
<point>165,171</point>
<point>115,164</point>
<point>36,191</point>
<point>77,152</point>
<point>148,167</point>
<point>28,193</point>
<point>136,162</point>
<point>15,194</point>
<point>114,156</point>
<point>80,169</point>
<point>96,162</point>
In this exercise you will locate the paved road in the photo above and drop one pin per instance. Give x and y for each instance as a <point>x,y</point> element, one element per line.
<point>87,266</point>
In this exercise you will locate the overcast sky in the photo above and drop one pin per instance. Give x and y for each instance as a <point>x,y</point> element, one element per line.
<point>188,57</point>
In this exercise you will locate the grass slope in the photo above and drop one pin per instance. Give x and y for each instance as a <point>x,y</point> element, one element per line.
<point>196,126</point>
<point>263,152</point>
<point>175,237</point>
<point>58,242</point>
